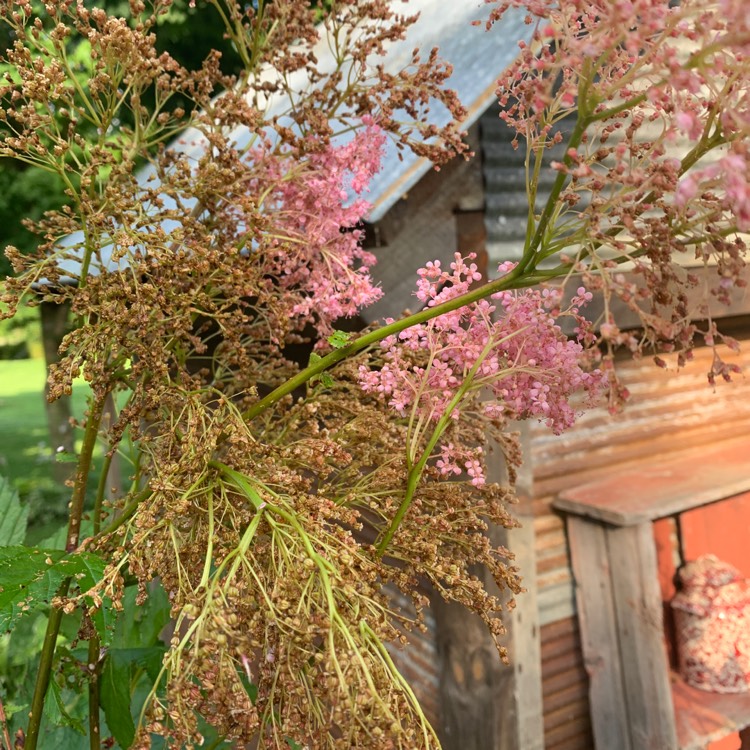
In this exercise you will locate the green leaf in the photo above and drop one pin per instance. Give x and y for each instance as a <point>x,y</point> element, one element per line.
<point>115,697</point>
<point>56,711</point>
<point>13,708</point>
<point>339,339</point>
<point>140,625</point>
<point>90,572</point>
<point>323,377</point>
<point>31,576</point>
<point>13,516</point>
<point>251,689</point>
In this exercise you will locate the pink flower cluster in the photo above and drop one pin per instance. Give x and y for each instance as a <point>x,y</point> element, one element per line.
<point>514,348</point>
<point>314,252</point>
<point>456,460</point>
<point>730,175</point>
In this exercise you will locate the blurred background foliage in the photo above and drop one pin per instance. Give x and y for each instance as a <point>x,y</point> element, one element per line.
<point>189,34</point>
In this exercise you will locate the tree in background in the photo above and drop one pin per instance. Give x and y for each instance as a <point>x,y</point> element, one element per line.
<point>270,502</point>
<point>26,192</point>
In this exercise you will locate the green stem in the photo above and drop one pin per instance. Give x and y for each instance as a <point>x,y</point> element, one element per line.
<point>123,516</point>
<point>415,474</point>
<point>82,473</point>
<point>516,279</point>
<point>44,671</point>
<point>557,186</point>
<point>93,674</point>
<point>74,531</point>
<point>100,492</point>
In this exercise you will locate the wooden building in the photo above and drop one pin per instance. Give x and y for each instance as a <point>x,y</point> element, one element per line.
<point>674,422</point>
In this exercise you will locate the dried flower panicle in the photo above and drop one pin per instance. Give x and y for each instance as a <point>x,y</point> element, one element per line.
<point>191,281</point>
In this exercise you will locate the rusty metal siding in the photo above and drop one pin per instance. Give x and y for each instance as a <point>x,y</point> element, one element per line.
<point>668,412</point>
<point>567,725</point>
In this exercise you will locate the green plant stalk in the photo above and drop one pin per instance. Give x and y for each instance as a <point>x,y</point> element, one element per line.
<point>100,492</point>
<point>124,515</point>
<point>516,279</point>
<point>93,674</point>
<point>377,644</point>
<point>55,617</point>
<point>325,568</point>
<point>44,671</point>
<point>535,241</point>
<point>82,473</point>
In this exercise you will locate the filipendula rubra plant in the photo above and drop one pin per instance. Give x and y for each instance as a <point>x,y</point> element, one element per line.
<point>270,503</point>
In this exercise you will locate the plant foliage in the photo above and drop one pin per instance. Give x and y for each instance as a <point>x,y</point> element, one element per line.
<point>235,591</point>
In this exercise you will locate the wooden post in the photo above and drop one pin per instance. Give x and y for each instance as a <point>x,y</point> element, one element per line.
<point>524,637</point>
<point>596,614</point>
<point>487,705</point>
<point>640,630</point>
<point>476,689</point>
<point>620,611</point>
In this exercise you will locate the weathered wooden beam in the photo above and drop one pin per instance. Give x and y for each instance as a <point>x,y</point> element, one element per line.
<point>477,701</point>
<point>640,634</point>
<point>598,627</point>
<point>487,705</point>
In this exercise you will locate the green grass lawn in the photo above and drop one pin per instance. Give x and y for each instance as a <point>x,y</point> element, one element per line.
<point>26,457</point>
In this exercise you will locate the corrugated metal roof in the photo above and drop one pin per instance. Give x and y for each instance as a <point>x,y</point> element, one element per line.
<point>506,199</point>
<point>477,56</point>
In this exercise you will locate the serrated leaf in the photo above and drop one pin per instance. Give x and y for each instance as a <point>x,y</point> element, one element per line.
<point>56,711</point>
<point>115,697</point>
<point>90,572</point>
<point>13,516</point>
<point>28,580</point>
<point>31,576</point>
<point>326,380</point>
<point>314,359</point>
<point>339,339</point>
